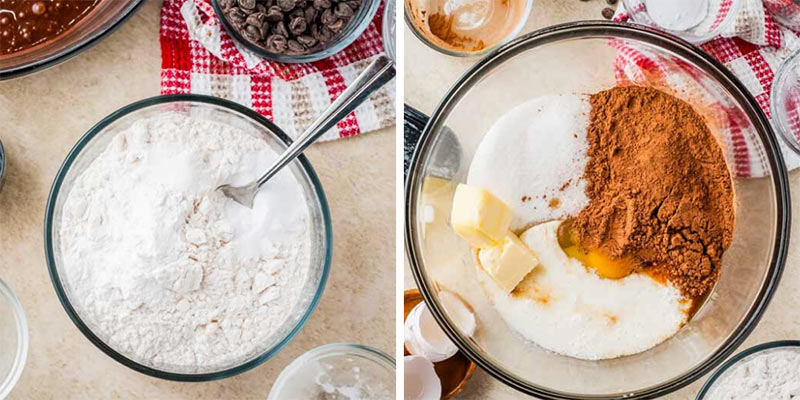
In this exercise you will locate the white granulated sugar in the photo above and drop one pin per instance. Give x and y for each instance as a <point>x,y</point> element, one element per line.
<point>567,308</point>
<point>774,375</point>
<point>164,268</point>
<point>536,153</point>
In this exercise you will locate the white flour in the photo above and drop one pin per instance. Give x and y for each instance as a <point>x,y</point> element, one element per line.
<point>773,375</point>
<point>163,267</point>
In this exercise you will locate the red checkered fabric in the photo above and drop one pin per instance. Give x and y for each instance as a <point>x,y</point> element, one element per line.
<point>199,57</point>
<point>753,48</point>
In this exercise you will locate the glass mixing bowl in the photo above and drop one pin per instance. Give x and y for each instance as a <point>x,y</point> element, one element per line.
<point>357,25</point>
<point>219,110</point>
<point>101,21</point>
<point>583,58</point>
<point>13,339</point>
<point>338,370</point>
<point>708,388</point>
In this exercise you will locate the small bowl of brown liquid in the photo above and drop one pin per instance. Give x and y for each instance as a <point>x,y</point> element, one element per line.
<point>466,28</point>
<point>35,34</point>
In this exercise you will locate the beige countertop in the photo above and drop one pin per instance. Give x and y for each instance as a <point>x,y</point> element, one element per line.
<point>430,76</point>
<point>42,117</point>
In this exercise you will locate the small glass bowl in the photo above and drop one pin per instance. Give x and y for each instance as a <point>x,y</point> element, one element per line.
<point>450,52</point>
<point>721,14</point>
<point>99,23</point>
<point>785,101</point>
<point>13,339</point>
<point>786,12</point>
<point>709,386</point>
<point>390,29</point>
<point>96,140</point>
<point>357,25</point>
<point>353,367</point>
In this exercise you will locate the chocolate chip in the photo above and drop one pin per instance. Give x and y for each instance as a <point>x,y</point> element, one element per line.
<point>295,47</point>
<point>322,4</point>
<point>337,26</point>
<point>274,14</point>
<point>298,25</point>
<point>280,29</point>
<point>611,2</point>
<point>286,5</point>
<point>256,19</point>
<point>311,13</point>
<point>252,33</point>
<point>343,10</point>
<point>328,17</point>
<point>307,40</point>
<point>608,13</point>
<point>247,4</point>
<point>276,43</point>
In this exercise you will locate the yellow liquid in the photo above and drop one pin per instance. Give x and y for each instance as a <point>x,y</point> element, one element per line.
<point>602,264</point>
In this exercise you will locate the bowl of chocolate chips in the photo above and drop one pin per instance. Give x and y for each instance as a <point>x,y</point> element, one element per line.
<point>295,31</point>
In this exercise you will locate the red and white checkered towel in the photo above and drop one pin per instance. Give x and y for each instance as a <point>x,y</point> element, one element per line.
<point>753,48</point>
<point>199,57</point>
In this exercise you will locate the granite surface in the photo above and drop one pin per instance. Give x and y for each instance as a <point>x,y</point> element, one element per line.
<point>41,118</point>
<point>431,76</point>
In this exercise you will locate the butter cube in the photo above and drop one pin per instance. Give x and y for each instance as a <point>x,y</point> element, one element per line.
<point>508,262</point>
<point>479,217</point>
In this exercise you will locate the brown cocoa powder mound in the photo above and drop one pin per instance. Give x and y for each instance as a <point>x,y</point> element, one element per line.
<point>658,186</point>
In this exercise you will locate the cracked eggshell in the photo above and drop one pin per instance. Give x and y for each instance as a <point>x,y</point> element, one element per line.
<point>420,379</point>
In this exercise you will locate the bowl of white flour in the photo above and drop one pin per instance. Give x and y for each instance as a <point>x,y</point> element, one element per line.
<point>160,270</point>
<point>766,371</point>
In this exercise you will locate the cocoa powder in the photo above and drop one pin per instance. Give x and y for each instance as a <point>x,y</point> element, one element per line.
<point>659,188</point>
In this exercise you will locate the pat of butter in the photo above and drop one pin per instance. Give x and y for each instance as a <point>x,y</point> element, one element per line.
<point>508,262</point>
<point>479,217</point>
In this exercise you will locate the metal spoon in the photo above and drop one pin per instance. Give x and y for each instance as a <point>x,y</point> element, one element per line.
<point>380,71</point>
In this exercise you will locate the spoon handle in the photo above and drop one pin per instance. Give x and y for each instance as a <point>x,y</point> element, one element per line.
<point>380,71</point>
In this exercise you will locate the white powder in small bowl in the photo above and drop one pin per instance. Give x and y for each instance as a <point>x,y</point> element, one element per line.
<point>770,374</point>
<point>165,269</point>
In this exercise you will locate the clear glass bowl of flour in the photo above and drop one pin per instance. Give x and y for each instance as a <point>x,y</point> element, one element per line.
<point>768,370</point>
<point>13,339</point>
<point>584,58</point>
<point>97,140</point>
<point>338,371</point>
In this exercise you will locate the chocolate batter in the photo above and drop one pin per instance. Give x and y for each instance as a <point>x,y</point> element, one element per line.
<point>26,23</point>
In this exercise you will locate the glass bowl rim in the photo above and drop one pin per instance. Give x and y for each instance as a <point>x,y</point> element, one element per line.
<point>23,340</point>
<point>389,17</point>
<point>2,164</point>
<point>651,36</point>
<point>729,18</point>
<point>739,357</point>
<point>779,117</point>
<point>341,44</point>
<point>466,54</point>
<point>77,47</point>
<point>368,352</point>
<point>49,245</point>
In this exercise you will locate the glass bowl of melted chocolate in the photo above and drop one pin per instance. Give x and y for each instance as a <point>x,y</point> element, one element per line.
<point>618,227</point>
<point>35,34</point>
<point>295,31</point>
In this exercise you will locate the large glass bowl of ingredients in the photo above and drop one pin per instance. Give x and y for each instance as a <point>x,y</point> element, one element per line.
<point>585,57</point>
<point>97,139</point>
<point>101,20</point>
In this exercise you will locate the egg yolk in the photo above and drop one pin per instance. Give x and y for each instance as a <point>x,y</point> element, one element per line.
<point>604,265</point>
